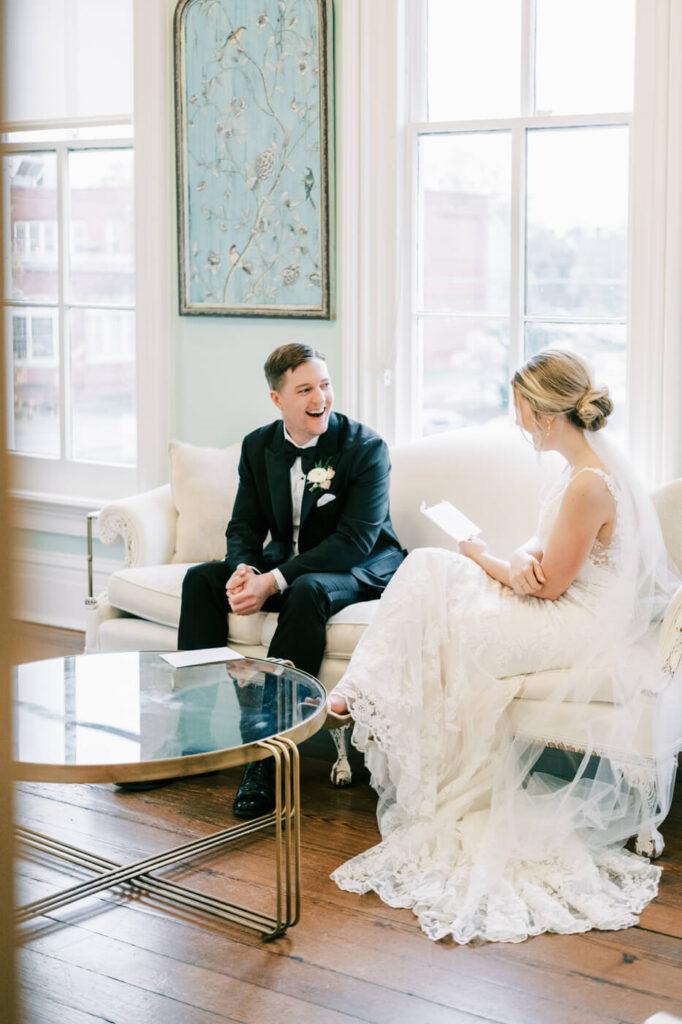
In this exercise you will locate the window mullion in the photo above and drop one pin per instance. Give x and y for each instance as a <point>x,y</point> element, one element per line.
<point>518,236</point>
<point>528,58</point>
<point>9,334</point>
<point>535,121</point>
<point>63,228</point>
<point>9,378</point>
<point>519,190</point>
<point>417,27</point>
<point>411,355</point>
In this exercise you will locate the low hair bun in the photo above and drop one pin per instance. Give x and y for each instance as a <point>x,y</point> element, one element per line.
<point>593,409</point>
<point>555,382</point>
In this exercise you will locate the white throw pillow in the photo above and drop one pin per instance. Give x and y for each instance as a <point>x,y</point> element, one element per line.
<point>204,485</point>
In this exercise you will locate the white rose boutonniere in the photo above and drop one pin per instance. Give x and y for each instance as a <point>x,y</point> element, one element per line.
<point>320,476</point>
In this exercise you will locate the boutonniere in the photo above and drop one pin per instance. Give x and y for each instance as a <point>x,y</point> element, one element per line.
<point>320,476</point>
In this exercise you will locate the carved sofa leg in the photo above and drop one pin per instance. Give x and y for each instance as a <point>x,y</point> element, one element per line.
<point>649,843</point>
<point>341,774</point>
<point>642,777</point>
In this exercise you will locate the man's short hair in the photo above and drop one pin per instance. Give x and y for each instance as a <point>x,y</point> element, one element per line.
<point>288,357</point>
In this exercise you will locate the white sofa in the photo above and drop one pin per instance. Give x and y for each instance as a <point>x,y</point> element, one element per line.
<point>493,476</point>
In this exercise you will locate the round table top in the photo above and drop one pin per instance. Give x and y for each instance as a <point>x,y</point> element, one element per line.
<point>132,716</point>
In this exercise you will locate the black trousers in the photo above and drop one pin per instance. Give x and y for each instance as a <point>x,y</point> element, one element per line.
<point>303,608</point>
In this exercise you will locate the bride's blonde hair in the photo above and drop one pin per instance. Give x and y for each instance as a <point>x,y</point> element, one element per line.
<point>555,382</point>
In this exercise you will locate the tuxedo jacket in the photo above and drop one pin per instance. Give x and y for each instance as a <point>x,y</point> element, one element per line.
<point>349,530</point>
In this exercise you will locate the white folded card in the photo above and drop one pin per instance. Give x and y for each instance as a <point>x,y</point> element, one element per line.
<point>451,520</point>
<point>207,656</point>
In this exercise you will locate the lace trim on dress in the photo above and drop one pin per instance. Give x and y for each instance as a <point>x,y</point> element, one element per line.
<point>606,477</point>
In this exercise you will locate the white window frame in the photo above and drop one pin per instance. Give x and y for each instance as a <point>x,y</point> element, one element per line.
<point>75,473</point>
<point>43,498</point>
<point>381,371</point>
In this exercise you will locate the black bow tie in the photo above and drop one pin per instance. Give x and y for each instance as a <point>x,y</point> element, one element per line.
<point>290,453</point>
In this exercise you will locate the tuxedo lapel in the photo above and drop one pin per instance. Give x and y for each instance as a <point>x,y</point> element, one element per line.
<point>279,485</point>
<point>326,448</point>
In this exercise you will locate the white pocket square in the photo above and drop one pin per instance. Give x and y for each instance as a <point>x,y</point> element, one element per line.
<point>325,499</point>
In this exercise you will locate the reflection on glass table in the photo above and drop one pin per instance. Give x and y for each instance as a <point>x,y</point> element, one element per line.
<point>127,715</point>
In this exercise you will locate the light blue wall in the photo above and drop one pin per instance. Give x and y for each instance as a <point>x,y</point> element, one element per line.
<point>38,540</point>
<point>221,391</point>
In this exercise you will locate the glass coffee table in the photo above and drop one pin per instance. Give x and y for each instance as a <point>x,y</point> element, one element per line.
<point>133,717</point>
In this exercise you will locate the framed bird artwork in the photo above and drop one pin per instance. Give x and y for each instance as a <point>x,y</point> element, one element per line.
<point>255,157</point>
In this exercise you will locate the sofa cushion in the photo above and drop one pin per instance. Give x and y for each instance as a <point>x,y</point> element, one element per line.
<point>154,592</point>
<point>344,629</point>
<point>150,591</point>
<point>471,468</point>
<point>133,634</point>
<point>541,686</point>
<point>248,629</point>
<point>204,485</point>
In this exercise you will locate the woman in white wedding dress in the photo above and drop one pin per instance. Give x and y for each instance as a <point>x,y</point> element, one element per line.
<point>477,844</point>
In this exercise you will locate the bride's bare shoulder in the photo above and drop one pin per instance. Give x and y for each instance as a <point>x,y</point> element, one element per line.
<point>591,483</point>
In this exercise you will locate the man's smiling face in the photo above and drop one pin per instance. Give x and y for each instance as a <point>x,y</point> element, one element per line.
<point>305,398</point>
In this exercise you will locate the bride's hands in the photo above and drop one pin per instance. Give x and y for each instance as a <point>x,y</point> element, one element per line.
<point>525,573</point>
<point>473,548</point>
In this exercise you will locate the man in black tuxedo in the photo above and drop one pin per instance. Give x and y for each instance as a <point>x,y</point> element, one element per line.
<point>318,484</point>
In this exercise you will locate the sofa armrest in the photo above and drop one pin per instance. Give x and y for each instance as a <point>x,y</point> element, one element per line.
<point>670,635</point>
<point>145,522</point>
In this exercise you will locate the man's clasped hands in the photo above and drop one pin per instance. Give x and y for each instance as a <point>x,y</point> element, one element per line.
<point>247,590</point>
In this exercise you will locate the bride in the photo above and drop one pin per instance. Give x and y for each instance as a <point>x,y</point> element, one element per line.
<point>479,836</point>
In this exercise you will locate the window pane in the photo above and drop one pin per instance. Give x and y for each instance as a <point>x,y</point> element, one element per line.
<point>35,379</point>
<point>577,221</point>
<point>102,228</point>
<point>464,184</point>
<point>603,346</point>
<point>67,59</point>
<point>103,385</point>
<point>43,340</point>
<point>32,210</point>
<point>465,371</point>
<point>474,59</point>
<point>584,56</point>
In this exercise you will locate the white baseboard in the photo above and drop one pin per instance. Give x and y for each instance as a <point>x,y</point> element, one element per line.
<point>50,588</point>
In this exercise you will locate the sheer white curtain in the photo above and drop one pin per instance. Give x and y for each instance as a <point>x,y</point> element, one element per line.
<point>656,244</point>
<point>67,59</point>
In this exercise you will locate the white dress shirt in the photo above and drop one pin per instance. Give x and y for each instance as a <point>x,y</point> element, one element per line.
<point>297,488</point>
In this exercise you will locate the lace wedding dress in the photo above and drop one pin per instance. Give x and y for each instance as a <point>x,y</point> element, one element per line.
<point>480,847</point>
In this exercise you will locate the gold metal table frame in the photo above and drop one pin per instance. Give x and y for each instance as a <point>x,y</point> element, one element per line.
<point>142,873</point>
<point>285,817</point>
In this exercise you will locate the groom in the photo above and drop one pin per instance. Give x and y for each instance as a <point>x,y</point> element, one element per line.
<point>318,484</point>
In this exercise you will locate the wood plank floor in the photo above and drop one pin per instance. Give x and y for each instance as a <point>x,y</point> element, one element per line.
<point>121,957</point>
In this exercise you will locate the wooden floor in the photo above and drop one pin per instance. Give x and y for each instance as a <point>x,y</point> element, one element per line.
<point>122,958</point>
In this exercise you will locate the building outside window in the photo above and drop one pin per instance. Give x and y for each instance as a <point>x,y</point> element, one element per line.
<point>519,144</point>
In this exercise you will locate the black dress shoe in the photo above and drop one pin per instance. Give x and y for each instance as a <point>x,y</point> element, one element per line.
<point>256,793</point>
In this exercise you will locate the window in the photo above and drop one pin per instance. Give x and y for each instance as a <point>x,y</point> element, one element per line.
<point>520,143</point>
<point>69,280</point>
<point>91,185</point>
